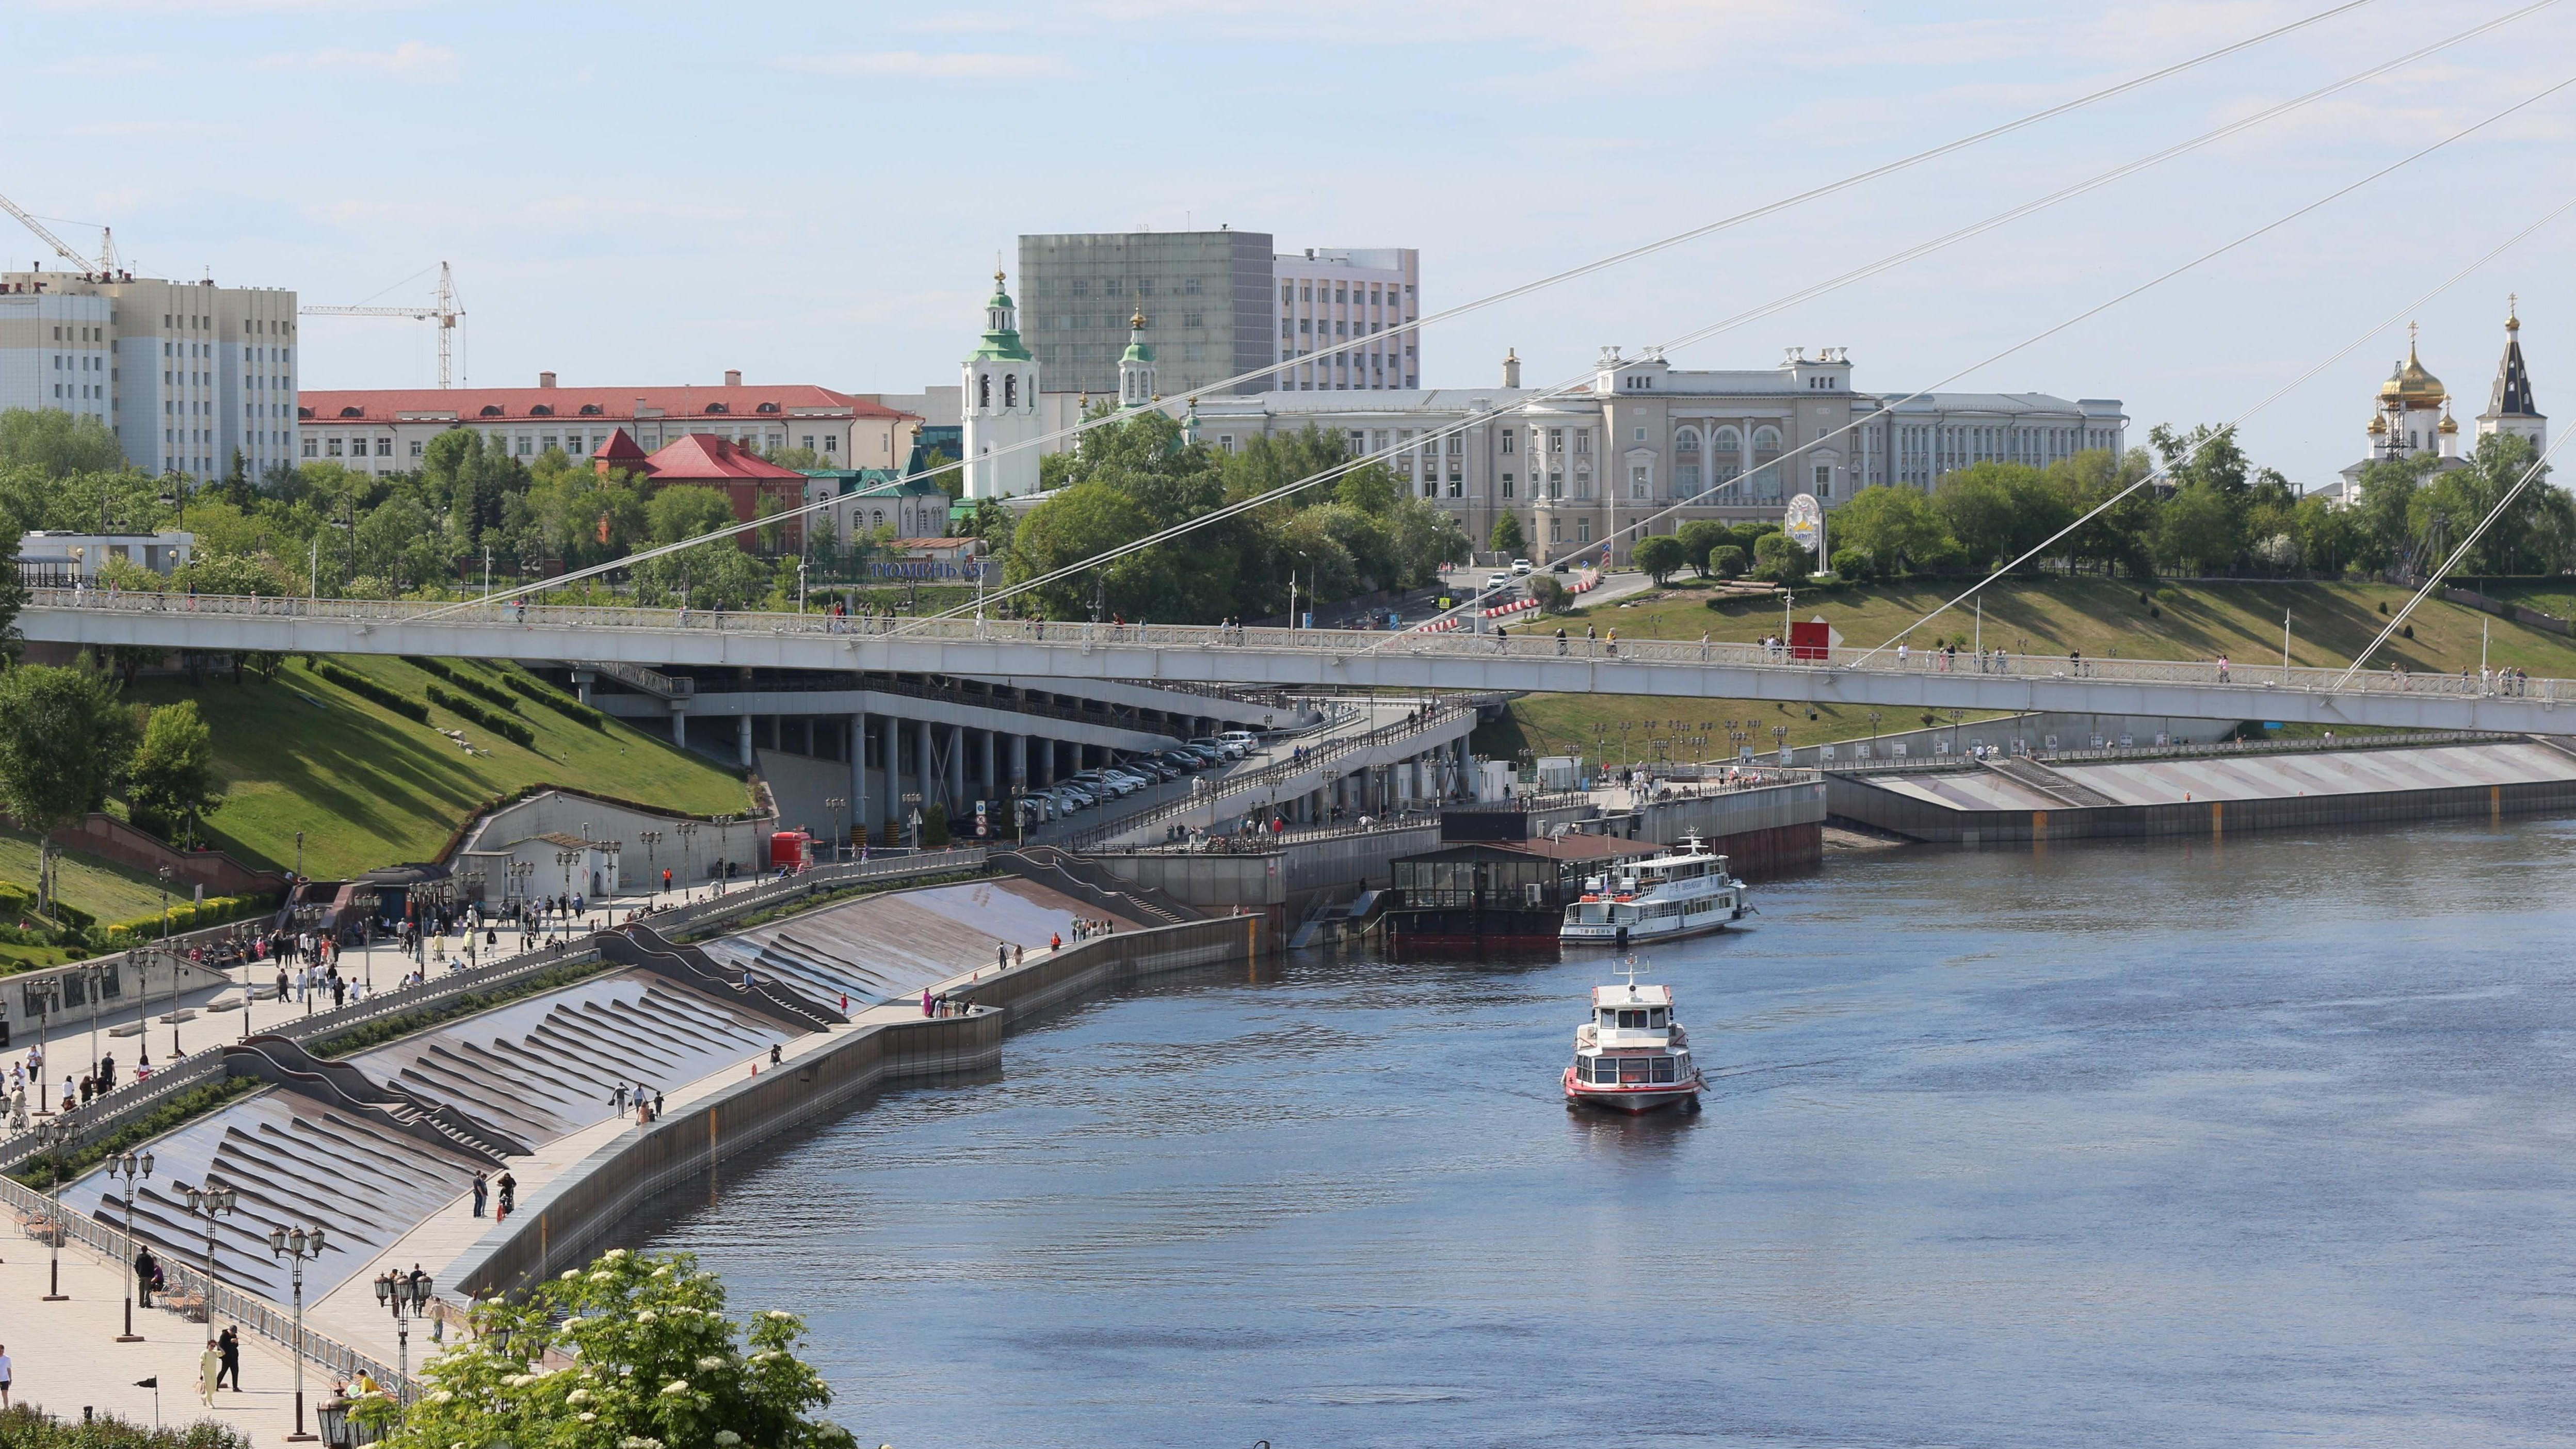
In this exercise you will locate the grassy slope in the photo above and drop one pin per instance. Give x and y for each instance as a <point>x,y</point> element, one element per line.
<point>368,787</point>
<point>2102,617</point>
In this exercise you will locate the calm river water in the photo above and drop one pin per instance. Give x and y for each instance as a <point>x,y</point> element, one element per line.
<point>2153,1145</point>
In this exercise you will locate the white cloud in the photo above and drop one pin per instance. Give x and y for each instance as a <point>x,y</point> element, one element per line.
<point>412,57</point>
<point>934,65</point>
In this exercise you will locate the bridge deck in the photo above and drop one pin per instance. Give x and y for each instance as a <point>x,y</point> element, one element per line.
<point>1528,660</point>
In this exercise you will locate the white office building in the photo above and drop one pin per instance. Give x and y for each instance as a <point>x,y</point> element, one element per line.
<point>1327,297</point>
<point>186,374</point>
<point>1647,439</point>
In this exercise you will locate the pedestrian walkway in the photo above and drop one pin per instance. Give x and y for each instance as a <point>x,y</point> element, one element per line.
<point>67,1357</point>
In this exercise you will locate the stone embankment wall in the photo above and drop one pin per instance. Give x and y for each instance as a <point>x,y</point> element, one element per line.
<point>570,1219</point>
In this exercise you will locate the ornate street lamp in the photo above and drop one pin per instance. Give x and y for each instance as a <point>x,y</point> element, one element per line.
<point>209,1202</point>
<point>407,1294</point>
<point>127,1168</point>
<point>56,1137</point>
<point>298,1247</point>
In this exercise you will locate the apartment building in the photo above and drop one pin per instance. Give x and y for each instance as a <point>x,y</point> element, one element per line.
<point>1328,298</point>
<point>1645,439</point>
<point>186,374</point>
<point>387,430</point>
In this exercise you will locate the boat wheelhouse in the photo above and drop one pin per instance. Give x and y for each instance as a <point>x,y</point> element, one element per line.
<point>1633,1055</point>
<point>1680,893</point>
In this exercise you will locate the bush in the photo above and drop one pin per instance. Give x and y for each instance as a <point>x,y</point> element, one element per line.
<point>1727,561</point>
<point>23,1426</point>
<point>1550,594</point>
<point>479,688</point>
<point>558,701</point>
<point>188,915</point>
<point>368,689</point>
<point>499,724</point>
<point>1855,564</point>
<point>934,826</point>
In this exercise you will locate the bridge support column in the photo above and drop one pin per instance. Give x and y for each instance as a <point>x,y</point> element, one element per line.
<point>1019,759</point>
<point>859,770</point>
<point>956,773</point>
<point>923,762</point>
<point>679,726</point>
<point>581,679</point>
<point>988,785</point>
<point>742,740</point>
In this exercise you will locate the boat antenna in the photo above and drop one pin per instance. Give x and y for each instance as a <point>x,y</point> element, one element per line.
<point>1630,971</point>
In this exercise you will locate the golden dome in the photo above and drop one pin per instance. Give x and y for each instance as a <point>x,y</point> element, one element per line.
<point>2411,385</point>
<point>2378,426</point>
<point>2447,426</point>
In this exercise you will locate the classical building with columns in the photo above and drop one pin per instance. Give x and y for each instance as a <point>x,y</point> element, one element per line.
<point>1648,439</point>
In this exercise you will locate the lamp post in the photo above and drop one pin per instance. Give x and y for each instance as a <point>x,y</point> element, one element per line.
<point>56,1138</point>
<point>126,1169</point>
<point>840,833</point>
<point>652,875</point>
<point>407,1294</point>
<point>209,1202</point>
<point>687,828</point>
<point>567,859</point>
<point>298,1246</point>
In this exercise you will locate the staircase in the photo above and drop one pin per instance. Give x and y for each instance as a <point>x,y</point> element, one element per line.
<point>2031,774</point>
<point>639,945</point>
<point>1095,885</point>
<point>287,1064</point>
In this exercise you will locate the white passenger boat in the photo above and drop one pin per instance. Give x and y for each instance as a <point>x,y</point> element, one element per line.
<point>1633,1055</point>
<point>1680,893</point>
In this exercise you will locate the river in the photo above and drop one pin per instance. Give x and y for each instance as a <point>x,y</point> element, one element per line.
<point>2168,1144</point>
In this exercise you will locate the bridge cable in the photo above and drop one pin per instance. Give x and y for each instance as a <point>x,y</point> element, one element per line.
<point>1585,380</point>
<point>2434,580</point>
<point>2162,470</point>
<point>1494,299</point>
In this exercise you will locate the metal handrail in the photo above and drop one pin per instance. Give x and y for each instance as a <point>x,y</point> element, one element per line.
<point>1431,716</point>
<point>2254,680</point>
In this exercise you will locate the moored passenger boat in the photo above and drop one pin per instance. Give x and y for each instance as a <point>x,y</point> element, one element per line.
<point>1680,893</point>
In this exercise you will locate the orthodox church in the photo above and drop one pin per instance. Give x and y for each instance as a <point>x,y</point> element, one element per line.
<point>2412,413</point>
<point>1002,408</point>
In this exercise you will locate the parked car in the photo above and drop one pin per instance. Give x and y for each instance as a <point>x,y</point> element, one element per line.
<point>1101,783</point>
<point>1242,740</point>
<point>1498,580</point>
<point>1520,566</point>
<point>1184,759</point>
<point>1225,747</point>
<point>1206,757</point>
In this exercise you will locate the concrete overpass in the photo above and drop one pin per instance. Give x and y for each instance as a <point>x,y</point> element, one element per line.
<point>1296,659</point>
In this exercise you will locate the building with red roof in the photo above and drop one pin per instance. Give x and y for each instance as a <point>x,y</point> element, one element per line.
<point>387,430</point>
<point>754,486</point>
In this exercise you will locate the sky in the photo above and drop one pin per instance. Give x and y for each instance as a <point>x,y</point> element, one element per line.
<point>651,194</point>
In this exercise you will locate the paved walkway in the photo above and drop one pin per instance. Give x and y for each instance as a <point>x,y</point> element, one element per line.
<point>211,1017</point>
<point>67,1357</point>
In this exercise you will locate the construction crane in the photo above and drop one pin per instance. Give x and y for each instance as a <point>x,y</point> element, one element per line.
<point>104,264</point>
<point>441,309</point>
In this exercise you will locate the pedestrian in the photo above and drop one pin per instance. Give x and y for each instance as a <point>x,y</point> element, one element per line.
<point>773,1054</point>
<point>509,1187</point>
<point>1001,957</point>
<point>617,1098</point>
<point>657,1101</point>
<point>6,1371</point>
<point>482,1192</point>
<point>228,1349</point>
<point>1055,942</point>
<point>925,1001</point>
<point>146,1269</point>
<point>210,1366</point>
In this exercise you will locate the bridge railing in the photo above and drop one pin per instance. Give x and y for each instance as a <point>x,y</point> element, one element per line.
<point>1533,642</point>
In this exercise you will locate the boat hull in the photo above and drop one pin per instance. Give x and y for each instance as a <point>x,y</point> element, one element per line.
<point>1606,934</point>
<point>1634,1101</point>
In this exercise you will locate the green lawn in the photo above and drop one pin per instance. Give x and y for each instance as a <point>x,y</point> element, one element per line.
<point>2105,618</point>
<point>368,787</point>
<point>108,891</point>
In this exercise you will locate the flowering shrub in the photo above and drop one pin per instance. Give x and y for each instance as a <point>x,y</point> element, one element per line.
<point>654,1363</point>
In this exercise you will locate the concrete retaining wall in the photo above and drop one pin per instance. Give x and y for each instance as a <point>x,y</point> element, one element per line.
<point>565,1222</point>
<point>690,859</point>
<point>2073,731</point>
<point>1280,883</point>
<point>1923,820</point>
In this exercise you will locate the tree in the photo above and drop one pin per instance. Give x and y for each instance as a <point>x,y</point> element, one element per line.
<point>172,776</point>
<point>1699,538</point>
<point>2198,529</point>
<point>1506,538</point>
<point>1659,554</point>
<point>1781,559</point>
<point>2206,455</point>
<point>64,741</point>
<point>803,460</point>
<point>709,576</point>
<point>685,510</point>
<point>1727,561</point>
<point>1551,595</point>
<point>654,1360</point>
<point>2329,538</point>
<point>57,444</point>
<point>1896,527</point>
<point>2532,535</point>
